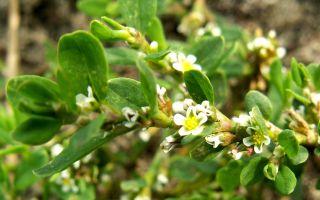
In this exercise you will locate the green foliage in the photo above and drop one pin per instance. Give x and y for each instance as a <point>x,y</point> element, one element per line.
<point>199,86</point>
<point>251,173</point>
<point>125,92</point>
<point>37,130</point>
<point>256,98</point>
<point>289,143</point>
<point>82,63</point>
<point>228,177</point>
<point>285,180</point>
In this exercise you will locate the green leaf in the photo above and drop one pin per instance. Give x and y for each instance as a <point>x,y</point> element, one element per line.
<point>289,143</point>
<point>103,32</point>
<point>300,157</point>
<point>82,63</point>
<point>252,173</point>
<point>299,97</point>
<point>148,84</point>
<point>84,141</point>
<point>133,185</point>
<point>256,98</point>
<point>285,181</point>
<point>228,177</point>
<point>221,87</point>
<point>121,56</point>
<point>37,130</point>
<point>199,86</point>
<point>24,175</point>
<point>139,13</point>
<point>125,92</point>
<point>276,77</point>
<point>295,72</point>
<point>93,8</point>
<point>33,94</point>
<point>208,51</point>
<point>314,71</point>
<point>270,171</point>
<point>260,122</point>
<point>157,56</point>
<point>156,33</point>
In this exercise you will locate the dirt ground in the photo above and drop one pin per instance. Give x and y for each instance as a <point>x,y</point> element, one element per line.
<point>296,22</point>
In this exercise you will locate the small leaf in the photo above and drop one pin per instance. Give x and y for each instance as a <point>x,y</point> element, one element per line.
<point>252,173</point>
<point>295,72</point>
<point>133,185</point>
<point>139,13</point>
<point>125,92</point>
<point>276,77</point>
<point>285,181</point>
<point>256,98</point>
<point>289,143</point>
<point>157,56</point>
<point>228,177</point>
<point>156,33</point>
<point>37,130</point>
<point>82,63</point>
<point>270,171</point>
<point>102,31</point>
<point>300,157</point>
<point>221,87</point>
<point>258,118</point>
<point>299,97</point>
<point>199,86</point>
<point>148,84</point>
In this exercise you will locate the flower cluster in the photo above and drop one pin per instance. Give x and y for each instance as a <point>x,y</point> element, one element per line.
<point>191,117</point>
<point>66,182</point>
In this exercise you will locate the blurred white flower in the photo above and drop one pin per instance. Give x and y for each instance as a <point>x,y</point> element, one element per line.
<point>56,150</point>
<point>86,103</point>
<point>131,116</point>
<point>214,139</point>
<point>161,91</point>
<point>242,120</point>
<point>67,183</point>
<point>182,63</point>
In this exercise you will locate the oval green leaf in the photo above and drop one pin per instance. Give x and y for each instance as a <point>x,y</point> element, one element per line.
<point>256,98</point>
<point>285,181</point>
<point>289,143</point>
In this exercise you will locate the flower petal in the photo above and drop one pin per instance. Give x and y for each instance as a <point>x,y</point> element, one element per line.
<point>177,66</point>
<point>258,149</point>
<point>179,119</point>
<point>191,58</point>
<point>197,131</point>
<point>247,141</point>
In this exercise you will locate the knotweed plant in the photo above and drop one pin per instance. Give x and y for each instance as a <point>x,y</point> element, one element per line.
<point>179,100</point>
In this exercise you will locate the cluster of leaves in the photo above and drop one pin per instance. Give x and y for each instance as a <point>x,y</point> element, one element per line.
<point>285,111</point>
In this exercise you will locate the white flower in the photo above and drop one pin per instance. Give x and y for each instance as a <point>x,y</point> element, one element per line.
<point>236,154</point>
<point>182,63</point>
<point>162,178</point>
<point>213,29</point>
<point>161,91</point>
<point>67,183</point>
<point>182,106</point>
<point>144,135</point>
<point>281,52</point>
<point>85,102</point>
<point>56,149</point>
<point>76,164</point>
<point>154,46</point>
<point>242,120</point>
<point>131,116</point>
<point>142,197</point>
<point>315,98</point>
<point>204,107</point>
<point>272,34</point>
<point>191,123</point>
<point>257,139</point>
<point>214,139</point>
<point>145,109</point>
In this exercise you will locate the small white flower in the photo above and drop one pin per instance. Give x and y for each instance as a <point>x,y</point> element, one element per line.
<point>281,52</point>
<point>76,164</point>
<point>315,98</point>
<point>105,178</point>
<point>170,139</point>
<point>191,123</point>
<point>182,106</point>
<point>204,107</point>
<point>201,31</point>
<point>182,63</point>
<point>131,116</point>
<point>85,102</point>
<point>144,135</point>
<point>67,183</point>
<point>242,120</point>
<point>272,34</point>
<point>142,197</point>
<point>154,46</point>
<point>87,158</point>
<point>162,179</point>
<point>236,154</point>
<point>257,139</point>
<point>161,91</point>
<point>56,150</point>
<point>145,109</point>
<point>214,139</point>
<point>213,29</point>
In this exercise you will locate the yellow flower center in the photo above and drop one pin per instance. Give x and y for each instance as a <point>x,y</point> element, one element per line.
<point>258,138</point>
<point>191,123</point>
<point>67,181</point>
<point>186,65</point>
